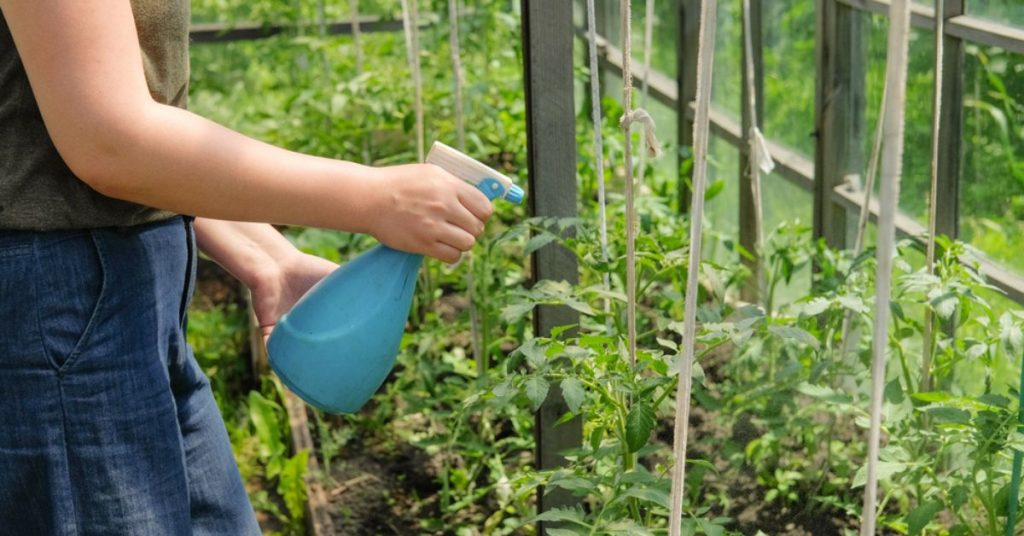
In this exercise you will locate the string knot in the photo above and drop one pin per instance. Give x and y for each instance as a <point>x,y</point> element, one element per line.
<point>641,116</point>
<point>760,154</point>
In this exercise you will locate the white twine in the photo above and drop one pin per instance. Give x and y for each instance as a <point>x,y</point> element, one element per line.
<point>357,46</point>
<point>684,386</point>
<point>929,317</point>
<point>410,24</point>
<point>759,157</point>
<point>453,40</point>
<point>645,82</point>
<point>595,114</point>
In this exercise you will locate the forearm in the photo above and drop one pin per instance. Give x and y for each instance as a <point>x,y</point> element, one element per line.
<point>175,160</point>
<point>252,252</point>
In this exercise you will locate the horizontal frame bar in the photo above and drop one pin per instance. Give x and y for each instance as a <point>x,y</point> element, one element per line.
<point>967,27</point>
<point>794,166</point>
<point>219,32</point>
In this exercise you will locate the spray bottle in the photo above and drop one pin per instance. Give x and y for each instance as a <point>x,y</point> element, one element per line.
<point>339,342</point>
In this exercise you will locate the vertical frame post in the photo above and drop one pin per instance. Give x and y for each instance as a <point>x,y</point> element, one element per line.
<point>551,155</point>
<point>748,230</point>
<point>838,114</point>
<point>947,201</point>
<point>687,44</point>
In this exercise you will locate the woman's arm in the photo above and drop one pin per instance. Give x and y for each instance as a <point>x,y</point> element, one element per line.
<point>85,66</point>
<point>276,273</point>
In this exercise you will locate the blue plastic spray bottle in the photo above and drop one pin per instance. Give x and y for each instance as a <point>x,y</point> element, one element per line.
<point>337,345</point>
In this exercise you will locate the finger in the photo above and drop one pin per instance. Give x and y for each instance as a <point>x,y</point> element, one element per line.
<point>461,217</point>
<point>475,201</point>
<point>445,253</point>
<point>457,238</point>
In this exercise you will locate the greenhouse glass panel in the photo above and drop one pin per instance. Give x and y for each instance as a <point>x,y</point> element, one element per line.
<point>1004,11</point>
<point>789,73</point>
<point>917,156</point>
<point>726,81</point>
<point>721,211</point>
<point>992,187</point>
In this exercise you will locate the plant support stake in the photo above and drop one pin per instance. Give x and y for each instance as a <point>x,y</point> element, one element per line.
<point>892,162</point>
<point>701,126</point>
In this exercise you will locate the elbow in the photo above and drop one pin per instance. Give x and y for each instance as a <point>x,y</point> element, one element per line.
<point>98,173</point>
<point>102,156</point>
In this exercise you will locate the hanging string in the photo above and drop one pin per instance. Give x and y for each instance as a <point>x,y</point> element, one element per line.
<point>410,23</point>
<point>631,116</point>
<point>476,338</point>
<point>892,164</point>
<point>357,46</point>
<point>645,82</point>
<point>929,317</point>
<point>862,218</point>
<point>759,158</point>
<point>453,40</point>
<point>595,115</point>
<point>701,124</point>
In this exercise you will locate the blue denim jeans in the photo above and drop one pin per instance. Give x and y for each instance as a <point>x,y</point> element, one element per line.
<point>107,424</point>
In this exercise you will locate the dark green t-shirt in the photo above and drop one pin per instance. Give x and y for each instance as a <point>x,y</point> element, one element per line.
<point>37,190</point>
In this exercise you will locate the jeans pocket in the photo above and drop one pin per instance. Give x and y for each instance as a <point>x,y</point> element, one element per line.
<point>71,284</point>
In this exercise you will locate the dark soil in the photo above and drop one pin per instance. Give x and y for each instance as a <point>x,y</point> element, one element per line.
<point>747,505</point>
<point>378,490</point>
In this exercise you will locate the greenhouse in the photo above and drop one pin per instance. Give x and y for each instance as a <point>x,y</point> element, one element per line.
<point>757,266</point>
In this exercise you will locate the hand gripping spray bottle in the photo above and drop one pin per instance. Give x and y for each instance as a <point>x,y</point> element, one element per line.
<point>340,341</point>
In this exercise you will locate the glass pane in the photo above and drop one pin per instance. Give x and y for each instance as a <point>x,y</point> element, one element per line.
<point>722,211</point>
<point>992,187</point>
<point>725,85</point>
<point>1005,11</point>
<point>916,182</point>
<point>663,39</point>
<point>787,203</point>
<point>789,73</point>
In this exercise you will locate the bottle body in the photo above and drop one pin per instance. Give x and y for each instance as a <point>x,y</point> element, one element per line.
<point>337,345</point>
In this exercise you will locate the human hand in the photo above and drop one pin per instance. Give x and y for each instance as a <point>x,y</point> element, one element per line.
<point>278,289</point>
<point>426,210</point>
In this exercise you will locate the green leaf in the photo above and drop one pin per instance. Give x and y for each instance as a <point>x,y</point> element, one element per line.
<point>291,484</point>
<point>639,425</point>
<point>569,515</point>
<point>816,306</point>
<point>536,242</point>
<point>824,393</point>
<point>534,354</point>
<point>932,397</point>
<point>944,415</point>
<point>1010,334</point>
<point>513,312</point>
<point>795,334</point>
<point>266,421</point>
<point>578,485</point>
<point>536,391</point>
<point>885,470</point>
<point>652,495</point>
<point>919,518</point>
<point>573,393</point>
<point>555,531</point>
<point>945,305</point>
<point>714,189</point>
